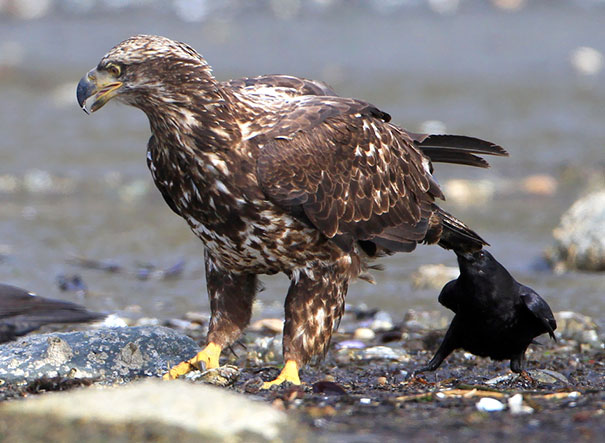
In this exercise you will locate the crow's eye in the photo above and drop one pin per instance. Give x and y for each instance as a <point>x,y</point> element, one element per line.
<point>114,69</point>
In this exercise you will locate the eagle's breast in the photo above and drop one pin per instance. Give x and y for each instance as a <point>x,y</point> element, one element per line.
<point>218,195</point>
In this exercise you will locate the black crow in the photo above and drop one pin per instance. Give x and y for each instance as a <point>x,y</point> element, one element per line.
<point>22,312</point>
<point>496,316</point>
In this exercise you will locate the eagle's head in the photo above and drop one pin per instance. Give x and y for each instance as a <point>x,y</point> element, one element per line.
<point>143,70</point>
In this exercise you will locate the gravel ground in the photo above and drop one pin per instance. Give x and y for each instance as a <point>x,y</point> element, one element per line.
<point>364,389</point>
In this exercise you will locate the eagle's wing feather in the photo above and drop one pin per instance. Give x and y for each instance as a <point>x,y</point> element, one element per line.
<point>458,149</point>
<point>352,175</point>
<point>286,84</point>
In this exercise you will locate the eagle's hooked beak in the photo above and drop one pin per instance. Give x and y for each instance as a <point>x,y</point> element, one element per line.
<point>100,84</point>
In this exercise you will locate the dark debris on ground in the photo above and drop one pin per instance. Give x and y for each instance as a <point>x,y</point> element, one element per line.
<point>364,389</point>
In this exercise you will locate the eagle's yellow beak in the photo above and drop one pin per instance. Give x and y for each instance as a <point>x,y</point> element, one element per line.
<point>100,84</point>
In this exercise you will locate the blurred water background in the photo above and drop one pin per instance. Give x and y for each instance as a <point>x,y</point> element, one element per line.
<point>524,74</point>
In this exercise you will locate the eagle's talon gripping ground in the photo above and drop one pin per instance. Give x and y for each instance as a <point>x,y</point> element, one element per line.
<point>288,373</point>
<point>208,356</point>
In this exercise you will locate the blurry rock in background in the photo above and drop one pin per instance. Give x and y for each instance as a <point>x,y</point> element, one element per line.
<point>434,276</point>
<point>72,283</point>
<point>469,192</point>
<point>142,270</point>
<point>465,192</point>
<point>580,236</point>
<point>586,60</point>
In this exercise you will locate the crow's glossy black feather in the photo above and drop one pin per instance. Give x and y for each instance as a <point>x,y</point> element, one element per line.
<point>496,316</point>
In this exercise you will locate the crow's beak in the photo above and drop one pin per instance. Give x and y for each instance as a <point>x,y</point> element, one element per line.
<point>101,85</point>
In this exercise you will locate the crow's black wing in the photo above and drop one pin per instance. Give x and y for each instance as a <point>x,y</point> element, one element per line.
<point>450,296</point>
<point>538,306</point>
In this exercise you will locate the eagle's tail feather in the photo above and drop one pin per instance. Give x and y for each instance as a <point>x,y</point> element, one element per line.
<point>457,236</point>
<point>458,149</point>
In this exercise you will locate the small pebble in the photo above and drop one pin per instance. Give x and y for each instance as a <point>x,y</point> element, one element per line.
<point>487,404</point>
<point>382,321</point>
<point>221,376</point>
<point>382,353</point>
<point>272,325</point>
<point>516,406</point>
<point>365,401</point>
<point>148,321</point>
<point>540,185</point>
<point>433,276</point>
<point>586,60</point>
<point>197,317</point>
<point>364,334</point>
<point>351,344</point>
<point>547,376</point>
<point>112,321</point>
<point>328,388</point>
<point>382,381</point>
<point>498,379</point>
<point>179,323</point>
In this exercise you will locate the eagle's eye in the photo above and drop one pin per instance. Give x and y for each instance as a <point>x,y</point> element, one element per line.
<point>113,69</point>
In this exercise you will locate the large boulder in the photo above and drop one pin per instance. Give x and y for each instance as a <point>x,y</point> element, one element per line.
<point>111,355</point>
<point>580,236</point>
<point>149,410</point>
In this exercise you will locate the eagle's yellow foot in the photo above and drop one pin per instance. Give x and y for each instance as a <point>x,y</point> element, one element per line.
<point>289,373</point>
<point>209,356</point>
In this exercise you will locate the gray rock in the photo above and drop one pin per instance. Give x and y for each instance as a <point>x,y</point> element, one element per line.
<point>265,350</point>
<point>222,376</point>
<point>108,354</point>
<point>578,327</point>
<point>151,407</point>
<point>580,236</point>
<point>540,375</point>
<point>434,276</point>
<point>382,353</point>
<point>426,320</point>
<point>382,321</point>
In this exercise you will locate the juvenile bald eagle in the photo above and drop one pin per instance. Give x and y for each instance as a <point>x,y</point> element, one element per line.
<point>278,174</point>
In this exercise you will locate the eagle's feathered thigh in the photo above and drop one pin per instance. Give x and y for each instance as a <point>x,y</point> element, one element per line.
<point>278,174</point>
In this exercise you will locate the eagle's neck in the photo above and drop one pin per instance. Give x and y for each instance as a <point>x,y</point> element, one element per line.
<point>193,114</point>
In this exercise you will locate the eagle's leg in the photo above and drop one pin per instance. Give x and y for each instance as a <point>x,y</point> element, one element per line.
<point>314,305</point>
<point>231,296</point>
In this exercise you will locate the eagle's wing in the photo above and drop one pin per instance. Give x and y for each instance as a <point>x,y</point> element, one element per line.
<point>283,84</point>
<point>340,165</point>
<point>439,148</point>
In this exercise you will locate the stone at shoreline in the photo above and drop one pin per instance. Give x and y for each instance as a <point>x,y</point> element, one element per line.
<point>580,236</point>
<point>153,410</point>
<point>110,355</point>
<point>434,276</point>
<point>578,327</point>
